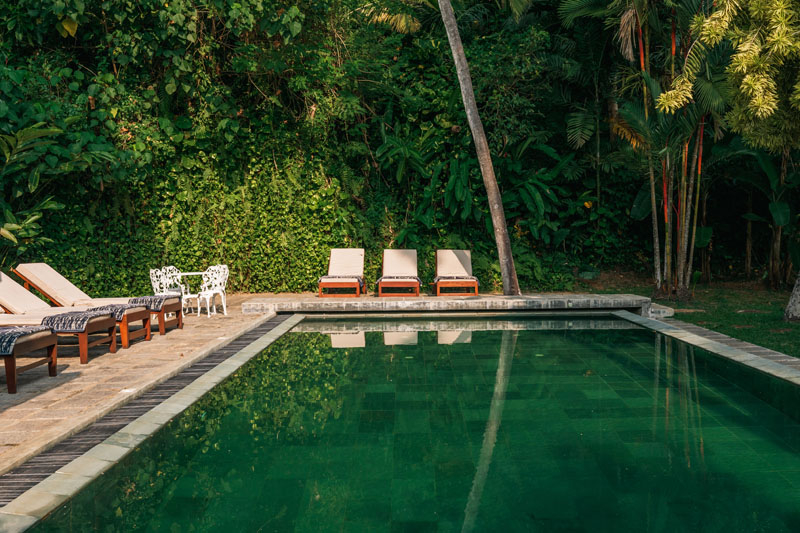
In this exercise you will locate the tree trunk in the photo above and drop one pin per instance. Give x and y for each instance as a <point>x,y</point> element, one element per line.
<point>748,244</point>
<point>654,214</point>
<point>507,270</point>
<point>793,309</point>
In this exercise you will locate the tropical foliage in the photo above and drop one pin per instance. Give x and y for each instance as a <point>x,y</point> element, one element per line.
<point>261,134</point>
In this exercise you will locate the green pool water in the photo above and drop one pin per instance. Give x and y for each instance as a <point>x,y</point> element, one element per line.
<point>536,427</point>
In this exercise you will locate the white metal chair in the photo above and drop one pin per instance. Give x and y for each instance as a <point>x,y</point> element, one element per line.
<point>166,280</point>
<point>215,278</point>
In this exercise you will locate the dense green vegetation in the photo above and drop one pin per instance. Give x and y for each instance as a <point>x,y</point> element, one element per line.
<point>261,134</point>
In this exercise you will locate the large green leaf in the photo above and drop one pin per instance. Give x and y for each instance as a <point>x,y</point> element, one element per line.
<point>781,214</point>
<point>703,236</point>
<point>642,206</point>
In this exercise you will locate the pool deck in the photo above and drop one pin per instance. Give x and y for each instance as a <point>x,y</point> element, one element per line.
<point>49,409</point>
<point>547,302</point>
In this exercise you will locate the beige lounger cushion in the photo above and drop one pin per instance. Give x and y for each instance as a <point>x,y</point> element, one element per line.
<point>21,320</point>
<point>400,263</point>
<point>64,291</point>
<point>391,338</point>
<point>329,279</point>
<point>96,302</point>
<point>52,283</point>
<point>17,299</point>
<point>454,263</point>
<point>402,280</point>
<point>348,340</point>
<point>346,262</point>
<point>455,336</point>
<point>35,336</point>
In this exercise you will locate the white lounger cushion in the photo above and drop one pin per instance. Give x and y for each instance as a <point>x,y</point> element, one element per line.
<point>53,284</point>
<point>454,263</point>
<point>17,299</point>
<point>397,263</point>
<point>392,338</point>
<point>339,279</point>
<point>348,340</point>
<point>455,336</point>
<point>346,262</point>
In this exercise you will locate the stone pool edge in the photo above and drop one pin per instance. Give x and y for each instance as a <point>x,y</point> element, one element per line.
<point>36,503</point>
<point>756,362</point>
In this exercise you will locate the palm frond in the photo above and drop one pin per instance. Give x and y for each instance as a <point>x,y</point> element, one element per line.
<point>571,10</point>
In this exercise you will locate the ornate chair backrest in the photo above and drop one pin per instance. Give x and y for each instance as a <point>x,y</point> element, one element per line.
<point>155,280</point>
<point>215,278</point>
<point>172,279</point>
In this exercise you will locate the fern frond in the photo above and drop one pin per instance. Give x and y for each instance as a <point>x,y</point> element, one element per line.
<point>580,128</point>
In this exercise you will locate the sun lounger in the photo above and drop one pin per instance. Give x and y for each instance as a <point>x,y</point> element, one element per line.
<point>454,270</point>
<point>399,272</point>
<point>22,342</point>
<point>23,308</point>
<point>345,271</point>
<point>62,292</point>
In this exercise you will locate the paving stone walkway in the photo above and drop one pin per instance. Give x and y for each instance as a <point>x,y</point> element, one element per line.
<point>47,409</point>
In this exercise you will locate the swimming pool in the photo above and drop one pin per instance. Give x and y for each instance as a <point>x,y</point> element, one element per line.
<point>525,424</point>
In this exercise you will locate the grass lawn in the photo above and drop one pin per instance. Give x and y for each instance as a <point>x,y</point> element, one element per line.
<point>745,311</point>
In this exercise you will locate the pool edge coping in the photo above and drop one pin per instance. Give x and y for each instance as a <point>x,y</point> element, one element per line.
<point>31,506</point>
<point>756,362</point>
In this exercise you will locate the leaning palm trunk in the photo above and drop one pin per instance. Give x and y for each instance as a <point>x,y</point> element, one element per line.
<point>507,270</point>
<point>507,346</point>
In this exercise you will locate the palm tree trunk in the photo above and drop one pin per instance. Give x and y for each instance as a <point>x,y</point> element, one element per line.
<point>507,270</point>
<point>654,213</point>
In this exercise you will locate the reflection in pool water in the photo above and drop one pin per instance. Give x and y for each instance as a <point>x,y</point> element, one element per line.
<point>460,426</point>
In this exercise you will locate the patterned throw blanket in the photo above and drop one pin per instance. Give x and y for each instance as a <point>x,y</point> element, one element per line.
<point>437,279</point>
<point>153,303</point>
<point>74,322</point>
<point>118,310</point>
<point>9,336</point>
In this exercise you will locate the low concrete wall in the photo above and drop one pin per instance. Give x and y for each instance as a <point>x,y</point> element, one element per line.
<point>444,304</point>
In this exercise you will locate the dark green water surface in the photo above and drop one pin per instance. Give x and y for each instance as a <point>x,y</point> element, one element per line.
<point>544,428</point>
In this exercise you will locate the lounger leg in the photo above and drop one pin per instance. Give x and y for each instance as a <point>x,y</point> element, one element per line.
<point>124,332</point>
<point>83,347</point>
<point>162,317</point>
<point>146,324</point>
<point>11,373</point>
<point>52,363</point>
<point>179,316</point>
<point>112,332</point>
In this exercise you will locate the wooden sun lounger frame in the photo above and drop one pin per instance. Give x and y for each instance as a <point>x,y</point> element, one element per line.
<point>105,326</point>
<point>125,333</point>
<point>340,285</point>
<point>413,285</point>
<point>23,347</point>
<point>465,284</point>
